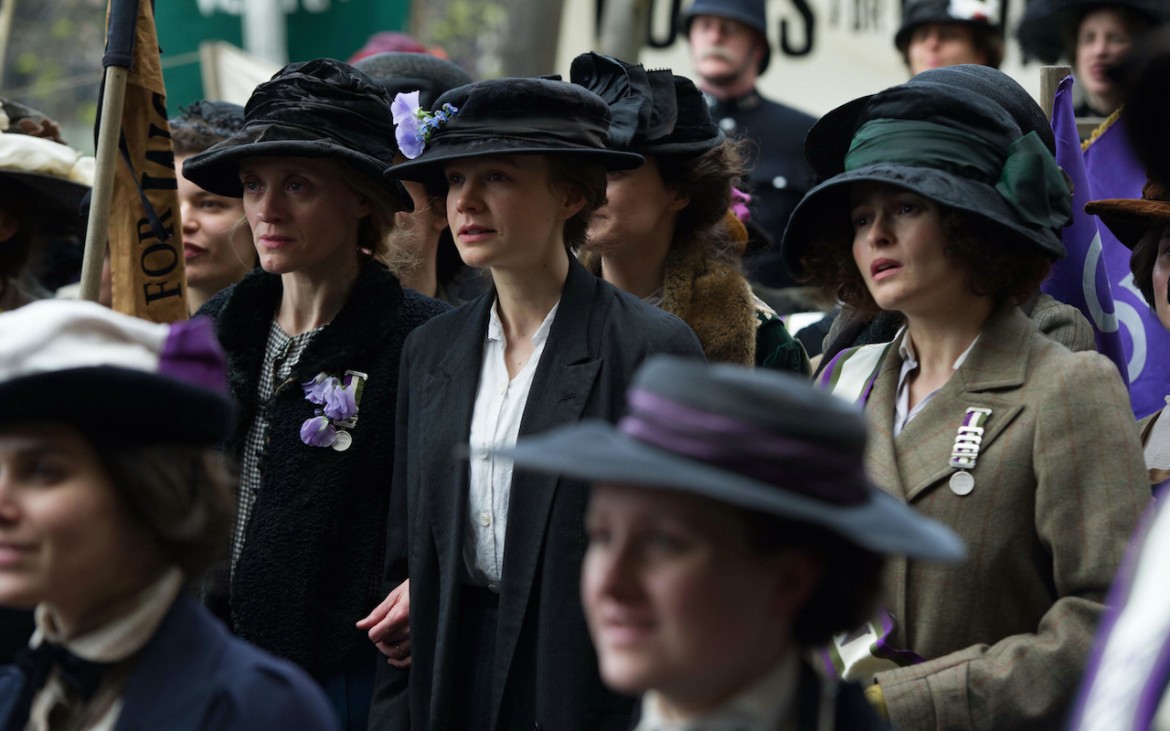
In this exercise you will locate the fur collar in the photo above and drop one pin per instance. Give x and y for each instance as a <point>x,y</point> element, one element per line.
<point>244,314</point>
<point>710,296</point>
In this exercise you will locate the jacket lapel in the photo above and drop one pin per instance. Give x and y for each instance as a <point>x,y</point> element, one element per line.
<point>448,397</point>
<point>561,386</point>
<point>881,458</point>
<point>989,378</point>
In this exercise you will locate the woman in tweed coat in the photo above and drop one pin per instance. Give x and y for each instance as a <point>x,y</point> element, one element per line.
<point>948,214</point>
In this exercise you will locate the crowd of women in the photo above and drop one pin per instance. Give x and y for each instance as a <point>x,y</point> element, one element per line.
<point>514,445</point>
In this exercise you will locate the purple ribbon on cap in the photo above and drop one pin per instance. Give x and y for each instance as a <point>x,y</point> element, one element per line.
<point>738,446</point>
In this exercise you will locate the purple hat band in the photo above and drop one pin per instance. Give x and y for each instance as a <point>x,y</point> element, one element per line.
<point>738,446</point>
<point>192,354</point>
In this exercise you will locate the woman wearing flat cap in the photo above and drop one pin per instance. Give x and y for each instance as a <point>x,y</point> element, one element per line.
<point>313,340</point>
<point>496,637</point>
<point>113,497</point>
<point>731,531</point>
<point>1094,36</point>
<point>666,232</point>
<point>945,212</point>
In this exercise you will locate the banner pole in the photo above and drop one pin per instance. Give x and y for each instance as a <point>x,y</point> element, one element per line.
<point>97,230</point>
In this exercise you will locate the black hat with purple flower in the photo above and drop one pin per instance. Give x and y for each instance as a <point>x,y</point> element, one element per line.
<point>504,117</point>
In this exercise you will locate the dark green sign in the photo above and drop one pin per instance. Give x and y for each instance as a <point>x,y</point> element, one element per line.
<point>316,28</point>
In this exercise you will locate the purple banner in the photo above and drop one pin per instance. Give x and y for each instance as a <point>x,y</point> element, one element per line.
<point>1113,171</point>
<point>1082,279</point>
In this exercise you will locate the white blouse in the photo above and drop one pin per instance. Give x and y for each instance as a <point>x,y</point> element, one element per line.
<point>495,422</point>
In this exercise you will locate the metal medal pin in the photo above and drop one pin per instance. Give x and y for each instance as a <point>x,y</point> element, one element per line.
<point>962,483</point>
<point>342,441</point>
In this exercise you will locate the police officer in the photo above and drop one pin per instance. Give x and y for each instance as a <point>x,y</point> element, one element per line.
<point>938,33</point>
<point>729,50</point>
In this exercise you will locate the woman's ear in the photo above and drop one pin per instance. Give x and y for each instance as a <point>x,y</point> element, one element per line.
<point>798,574</point>
<point>574,202</point>
<point>678,201</point>
<point>437,207</point>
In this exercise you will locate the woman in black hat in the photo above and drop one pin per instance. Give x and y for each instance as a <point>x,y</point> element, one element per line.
<point>313,342</point>
<point>113,499</point>
<point>731,531</point>
<point>666,232</point>
<point>946,213</point>
<point>496,635</point>
<point>1094,35</point>
<point>217,247</point>
<point>433,266</point>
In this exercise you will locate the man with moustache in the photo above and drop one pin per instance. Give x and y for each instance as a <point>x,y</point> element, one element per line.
<point>729,50</point>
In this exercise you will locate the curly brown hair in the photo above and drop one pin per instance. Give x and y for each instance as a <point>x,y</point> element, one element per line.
<point>999,266</point>
<point>707,179</point>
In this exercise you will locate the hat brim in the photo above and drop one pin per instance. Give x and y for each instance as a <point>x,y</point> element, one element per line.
<point>597,452</point>
<point>217,169</point>
<point>831,198</point>
<point>122,404</point>
<point>58,201</point>
<point>1130,219</point>
<point>428,166</point>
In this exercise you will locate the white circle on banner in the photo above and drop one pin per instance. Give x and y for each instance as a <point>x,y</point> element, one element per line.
<point>342,441</point>
<point>962,483</point>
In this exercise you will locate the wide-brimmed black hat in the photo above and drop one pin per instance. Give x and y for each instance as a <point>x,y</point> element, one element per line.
<point>749,12</point>
<point>113,376</point>
<point>399,72</point>
<point>1045,24</point>
<point>828,142</point>
<point>948,145</point>
<point>651,112</point>
<point>760,440</point>
<point>514,117</point>
<point>981,15</point>
<point>319,108</point>
<point>1131,218</point>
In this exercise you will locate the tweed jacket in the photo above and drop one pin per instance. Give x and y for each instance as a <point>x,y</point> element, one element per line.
<point>194,676</point>
<point>312,560</point>
<point>1060,484</point>
<point>545,672</point>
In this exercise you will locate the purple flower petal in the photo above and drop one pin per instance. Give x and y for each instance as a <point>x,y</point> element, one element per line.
<point>404,107</point>
<point>318,432</point>
<point>340,403</point>
<point>317,389</point>
<point>410,142</point>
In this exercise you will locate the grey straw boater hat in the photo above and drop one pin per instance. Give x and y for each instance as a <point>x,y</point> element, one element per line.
<point>945,143</point>
<point>319,108</point>
<point>513,117</point>
<point>756,439</point>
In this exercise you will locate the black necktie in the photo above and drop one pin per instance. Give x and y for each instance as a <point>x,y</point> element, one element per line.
<point>80,677</point>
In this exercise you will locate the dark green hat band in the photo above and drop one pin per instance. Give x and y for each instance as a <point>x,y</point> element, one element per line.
<point>1027,178</point>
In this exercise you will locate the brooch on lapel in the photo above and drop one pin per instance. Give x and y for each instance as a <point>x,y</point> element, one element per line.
<point>966,450</point>
<point>338,398</point>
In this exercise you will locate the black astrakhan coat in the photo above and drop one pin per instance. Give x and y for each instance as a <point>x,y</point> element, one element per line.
<point>545,673</point>
<point>313,556</point>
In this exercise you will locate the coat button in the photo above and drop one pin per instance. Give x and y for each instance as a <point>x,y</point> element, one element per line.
<point>779,182</point>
